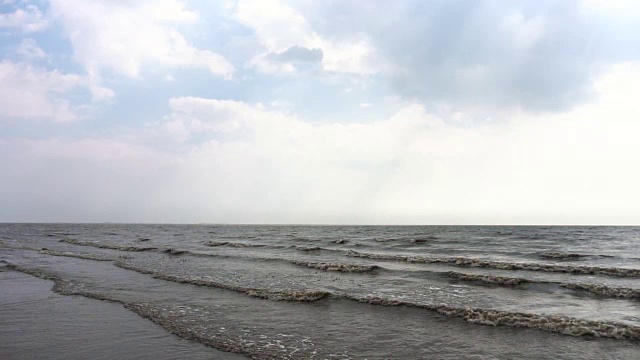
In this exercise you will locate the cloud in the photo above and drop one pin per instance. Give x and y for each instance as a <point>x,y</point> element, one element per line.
<point>414,168</point>
<point>29,49</point>
<point>28,19</point>
<point>557,147</point>
<point>299,54</point>
<point>126,37</point>
<point>28,92</point>
<point>532,55</point>
<point>280,28</point>
<point>259,165</point>
<point>196,115</point>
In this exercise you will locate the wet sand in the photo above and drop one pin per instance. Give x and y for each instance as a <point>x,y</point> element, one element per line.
<point>36,323</point>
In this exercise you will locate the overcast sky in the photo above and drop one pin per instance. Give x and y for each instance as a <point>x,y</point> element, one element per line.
<point>339,112</point>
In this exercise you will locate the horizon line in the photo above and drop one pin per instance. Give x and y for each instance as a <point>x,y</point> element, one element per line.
<point>297,224</point>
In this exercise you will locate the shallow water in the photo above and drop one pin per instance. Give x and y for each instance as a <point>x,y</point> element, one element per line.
<point>38,324</point>
<point>356,291</point>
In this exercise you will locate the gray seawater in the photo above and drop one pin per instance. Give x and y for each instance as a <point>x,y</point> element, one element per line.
<point>355,292</point>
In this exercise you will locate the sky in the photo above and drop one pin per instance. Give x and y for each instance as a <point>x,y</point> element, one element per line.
<point>320,112</point>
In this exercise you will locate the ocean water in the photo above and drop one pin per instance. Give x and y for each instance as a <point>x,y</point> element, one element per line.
<point>355,292</point>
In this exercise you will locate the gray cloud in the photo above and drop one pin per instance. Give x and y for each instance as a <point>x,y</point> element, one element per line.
<point>536,55</point>
<point>299,54</point>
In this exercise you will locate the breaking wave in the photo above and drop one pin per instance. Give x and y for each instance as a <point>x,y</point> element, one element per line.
<point>232,244</point>
<point>503,265</point>
<point>488,279</point>
<point>328,266</point>
<point>424,239</point>
<point>107,246</point>
<point>597,289</point>
<point>308,248</point>
<point>60,286</point>
<point>180,325</point>
<point>604,290</point>
<point>162,315</point>
<point>278,295</point>
<point>176,252</point>
<point>553,323</point>
<point>75,255</point>
<point>157,315</point>
<point>568,256</point>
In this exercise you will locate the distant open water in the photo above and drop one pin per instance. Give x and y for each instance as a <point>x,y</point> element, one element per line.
<point>316,292</point>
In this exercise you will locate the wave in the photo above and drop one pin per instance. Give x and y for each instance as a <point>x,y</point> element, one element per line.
<point>75,255</point>
<point>60,286</point>
<point>107,246</point>
<point>597,289</point>
<point>162,317</point>
<point>232,244</point>
<point>270,246</point>
<point>32,272</point>
<point>424,239</point>
<point>569,256</point>
<point>309,248</point>
<point>604,290</point>
<point>553,323</point>
<point>57,234</point>
<point>328,266</point>
<point>4,245</point>
<point>158,315</point>
<point>488,279</point>
<point>277,295</point>
<point>503,265</point>
<point>176,252</point>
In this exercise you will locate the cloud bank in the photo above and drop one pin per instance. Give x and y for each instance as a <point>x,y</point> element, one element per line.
<point>413,112</point>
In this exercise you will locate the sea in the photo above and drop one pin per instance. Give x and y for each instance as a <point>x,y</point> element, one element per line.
<point>342,292</point>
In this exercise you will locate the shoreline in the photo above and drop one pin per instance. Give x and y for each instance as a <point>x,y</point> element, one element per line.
<point>37,323</point>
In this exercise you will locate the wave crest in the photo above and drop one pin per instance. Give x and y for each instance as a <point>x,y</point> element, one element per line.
<point>231,244</point>
<point>604,290</point>
<point>503,265</point>
<point>277,295</point>
<point>107,246</point>
<point>553,323</point>
<point>487,279</point>
<point>75,255</point>
<point>328,266</point>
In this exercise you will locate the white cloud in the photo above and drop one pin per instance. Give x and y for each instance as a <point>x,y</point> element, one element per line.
<point>414,168</point>
<point>280,27</point>
<point>260,165</point>
<point>29,49</point>
<point>36,93</point>
<point>27,19</point>
<point>127,37</point>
